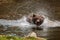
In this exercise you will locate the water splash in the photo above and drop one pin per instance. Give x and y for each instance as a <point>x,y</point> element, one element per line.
<point>22,23</point>
<point>49,23</point>
<point>46,14</point>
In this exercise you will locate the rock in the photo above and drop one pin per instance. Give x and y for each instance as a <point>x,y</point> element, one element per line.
<point>33,34</point>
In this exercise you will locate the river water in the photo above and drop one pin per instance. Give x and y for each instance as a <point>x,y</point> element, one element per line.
<point>13,15</point>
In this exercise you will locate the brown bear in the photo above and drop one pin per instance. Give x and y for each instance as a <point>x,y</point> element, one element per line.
<point>35,19</point>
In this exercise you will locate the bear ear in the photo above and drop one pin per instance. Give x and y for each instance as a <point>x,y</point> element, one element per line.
<point>34,15</point>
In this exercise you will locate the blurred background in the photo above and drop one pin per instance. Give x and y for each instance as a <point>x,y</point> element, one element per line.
<point>15,9</point>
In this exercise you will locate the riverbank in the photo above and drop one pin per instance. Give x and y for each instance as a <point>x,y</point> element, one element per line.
<point>6,37</point>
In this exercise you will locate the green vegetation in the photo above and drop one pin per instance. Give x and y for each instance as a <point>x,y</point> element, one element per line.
<point>18,38</point>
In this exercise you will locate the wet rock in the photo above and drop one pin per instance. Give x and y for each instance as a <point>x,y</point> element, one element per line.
<point>33,34</point>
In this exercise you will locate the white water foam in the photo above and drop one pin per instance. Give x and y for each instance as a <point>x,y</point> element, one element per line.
<point>22,23</point>
<point>48,23</point>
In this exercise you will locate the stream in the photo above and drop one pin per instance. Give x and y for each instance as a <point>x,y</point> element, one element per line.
<point>13,15</point>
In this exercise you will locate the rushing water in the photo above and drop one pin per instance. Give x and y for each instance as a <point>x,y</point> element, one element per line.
<point>24,25</point>
<point>50,9</point>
